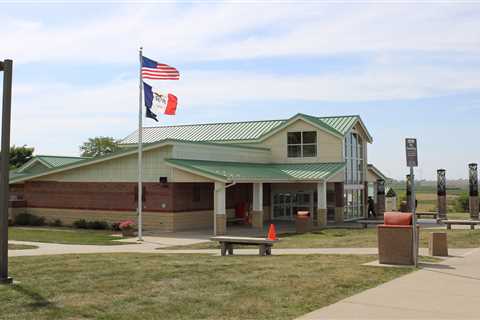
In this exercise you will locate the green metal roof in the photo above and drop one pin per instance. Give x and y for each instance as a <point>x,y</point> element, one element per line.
<point>239,171</point>
<point>58,161</point>
<point>236,131</point>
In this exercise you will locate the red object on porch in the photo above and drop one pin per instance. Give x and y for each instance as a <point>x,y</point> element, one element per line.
<point>397,218</point>
<point>272,235</point>
<point>241,211</point>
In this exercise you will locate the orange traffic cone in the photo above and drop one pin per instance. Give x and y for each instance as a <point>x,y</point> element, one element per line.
<point>272,235</point>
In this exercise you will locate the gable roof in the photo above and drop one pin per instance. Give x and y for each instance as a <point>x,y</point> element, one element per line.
<point>16,176</point>
<point>377,172</point>
<point>248,172</point>
<point>49,162</point>
<point>247,131</point>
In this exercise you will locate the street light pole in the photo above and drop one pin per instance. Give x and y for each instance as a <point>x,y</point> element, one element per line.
<point>6,66</point>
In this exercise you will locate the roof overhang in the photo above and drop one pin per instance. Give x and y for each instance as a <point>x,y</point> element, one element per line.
<point>377,172</point>
<point>239,172</point>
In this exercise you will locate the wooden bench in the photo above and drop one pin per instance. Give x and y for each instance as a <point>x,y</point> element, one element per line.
<point>227,242</point>
<point>365,223</point>
<point>471,223</point>
<point>433,215</point>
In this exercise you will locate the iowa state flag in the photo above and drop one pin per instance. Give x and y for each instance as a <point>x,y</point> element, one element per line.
<point>158,103</point>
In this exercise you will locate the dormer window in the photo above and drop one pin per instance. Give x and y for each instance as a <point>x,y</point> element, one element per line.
<point>302,144</point>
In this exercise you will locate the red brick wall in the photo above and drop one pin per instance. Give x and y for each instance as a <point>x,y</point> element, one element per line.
<point>170,197</point>
<point>95,195</point>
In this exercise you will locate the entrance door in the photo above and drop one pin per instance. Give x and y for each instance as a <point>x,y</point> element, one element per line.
<point>286,204</point>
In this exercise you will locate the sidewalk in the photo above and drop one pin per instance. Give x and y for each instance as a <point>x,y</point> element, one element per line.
<point>449,290</point>
<point>155,247</point>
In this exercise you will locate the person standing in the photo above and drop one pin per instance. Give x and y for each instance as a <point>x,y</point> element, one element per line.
<point>371,207</point>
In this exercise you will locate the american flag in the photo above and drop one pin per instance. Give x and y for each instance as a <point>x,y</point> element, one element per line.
<point>158,71</point>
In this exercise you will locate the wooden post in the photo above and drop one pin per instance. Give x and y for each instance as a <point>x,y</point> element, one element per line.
<point>441,194</point>
<point>473,179</point>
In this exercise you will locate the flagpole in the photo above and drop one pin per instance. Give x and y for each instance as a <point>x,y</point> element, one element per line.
<point>140,164</point>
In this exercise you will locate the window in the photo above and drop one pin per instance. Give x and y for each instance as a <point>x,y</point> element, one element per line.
<point>302,144</point>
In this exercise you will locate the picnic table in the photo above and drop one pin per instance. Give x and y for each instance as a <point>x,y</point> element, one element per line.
<point>433,215</point>
<point>365,223</point>
<point>227,242</point>
<point>471,223</point>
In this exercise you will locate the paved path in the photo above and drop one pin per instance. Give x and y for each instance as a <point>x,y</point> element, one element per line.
<point>155,247</point>
<point>449,290</point>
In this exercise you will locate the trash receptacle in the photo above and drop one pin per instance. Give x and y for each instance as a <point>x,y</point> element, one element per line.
<point>303,223</point>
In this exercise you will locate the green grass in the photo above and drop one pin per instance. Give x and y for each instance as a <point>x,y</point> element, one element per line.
<point>134,286</point>
<point>20,247</point>
<point>355,238</point>
<point>63,235</point>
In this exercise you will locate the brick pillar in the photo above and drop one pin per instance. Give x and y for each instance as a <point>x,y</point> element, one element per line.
<point>322,204</point>
<point>220,227</point>
<point>441,194</point>
<point>380,197</point>
<point>257,212</point>
<point>339,205</point>
<point>473,179</point>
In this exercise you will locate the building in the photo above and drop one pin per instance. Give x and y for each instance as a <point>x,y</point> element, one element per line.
<point>196,175</point>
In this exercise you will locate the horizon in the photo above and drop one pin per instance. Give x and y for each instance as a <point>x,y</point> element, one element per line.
<point>408,70</point>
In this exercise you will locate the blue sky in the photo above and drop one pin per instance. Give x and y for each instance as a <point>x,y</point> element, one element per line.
<point>408,70</point>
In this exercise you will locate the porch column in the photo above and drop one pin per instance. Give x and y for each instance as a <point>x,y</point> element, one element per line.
<point>257,206</point>
<point>380,198</point>
<point>322,203</point>
<point>220,223</point>
<point>473,201</point>
<point>441,194</point>
<point>339,206</point>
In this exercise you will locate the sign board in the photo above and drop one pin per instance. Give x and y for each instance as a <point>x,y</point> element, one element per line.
<point>411,152</point>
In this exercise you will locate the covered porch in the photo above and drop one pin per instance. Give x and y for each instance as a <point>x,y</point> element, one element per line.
<point>271,192</point>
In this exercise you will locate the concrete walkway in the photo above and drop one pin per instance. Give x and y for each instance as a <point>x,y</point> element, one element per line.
<point>155,247</point>
<point>449,290</point>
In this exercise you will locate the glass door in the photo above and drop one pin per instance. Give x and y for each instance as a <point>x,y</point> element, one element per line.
<point>286,204</point>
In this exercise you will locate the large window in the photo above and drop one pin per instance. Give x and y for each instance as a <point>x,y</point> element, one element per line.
<point>354,177</point>
<point>302,144</point>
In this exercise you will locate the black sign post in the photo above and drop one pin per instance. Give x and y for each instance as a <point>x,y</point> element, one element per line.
<point>412,161</point>
<point>6,66</point>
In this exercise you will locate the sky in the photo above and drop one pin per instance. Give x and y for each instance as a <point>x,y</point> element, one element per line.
<point>409,69</point>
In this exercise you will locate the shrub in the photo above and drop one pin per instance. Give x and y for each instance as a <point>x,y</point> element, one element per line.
<point>27,219</point>
<point>116,226</point>
<point>127,224</point>
<point>55,223</point>
<point>462,203</point>
<point>80,224</point>
<point>84,224</point>
<point>97,225</point>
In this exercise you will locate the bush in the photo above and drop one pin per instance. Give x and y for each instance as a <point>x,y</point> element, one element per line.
<point>27,219</point>
<point>84,224</point>
<point>97,225</point>
<point>462,203</point>
<point>80,224</point>
<point>116,226</point>
<point>55,223</point>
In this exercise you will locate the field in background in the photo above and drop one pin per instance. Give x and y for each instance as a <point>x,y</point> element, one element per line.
<point>427,196</point>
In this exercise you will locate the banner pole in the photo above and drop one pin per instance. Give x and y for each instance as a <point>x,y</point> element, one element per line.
<point>7,67</point>
<point>140,164</point>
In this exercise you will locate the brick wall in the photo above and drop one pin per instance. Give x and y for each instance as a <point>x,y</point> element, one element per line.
<point>170,197</point>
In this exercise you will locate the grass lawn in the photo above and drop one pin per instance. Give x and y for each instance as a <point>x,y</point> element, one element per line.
<point>20,247</point>
<point>355,238</point>
<point>133,286</point>
<point>63,235</point>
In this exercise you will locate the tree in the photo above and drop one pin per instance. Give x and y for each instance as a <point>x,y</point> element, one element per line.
<point>98,146</point>
<point>462,203</point>
<point>20,155</point>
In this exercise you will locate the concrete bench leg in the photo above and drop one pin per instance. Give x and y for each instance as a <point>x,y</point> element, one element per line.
<point>223,249</point>
<point>263,250</point>
<point>449,227</point>
<point>269,251</point>
<point>472,227</point>
<point>230,249</point>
